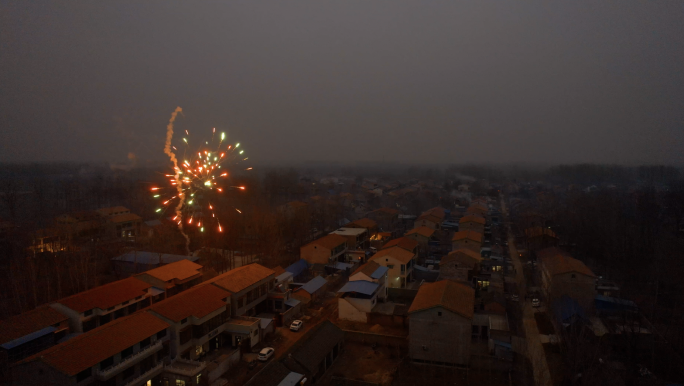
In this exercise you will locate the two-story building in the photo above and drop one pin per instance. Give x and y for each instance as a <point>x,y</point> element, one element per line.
<point>564,275</point>
<point>325,250</point>
<point>423,235</point>
<point>173,278</point>
<point>367,224</point>
<point>128,351</point>
<point>100,305</point>
<point>460,265</point>
<point>30,332</point>
<point>399,263</point>
<point>366,287</point>
<point>467,239</point>
<point>472,222</point>
<point>538,238</point>
<point>197,319</point>
<point>407,243</point>
<point>357,238</point>
<point>120,222</point>
<point>440,323</point>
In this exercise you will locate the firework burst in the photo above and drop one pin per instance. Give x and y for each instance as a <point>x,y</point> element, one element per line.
<point>199,176</point>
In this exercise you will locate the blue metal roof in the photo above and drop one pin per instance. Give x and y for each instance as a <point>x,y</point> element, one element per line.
<point>27,338</point>
<point>380,272</point>
<point>314,284</point>
<point>292,302</point>
<point>297,268</point>
<point>606,302</point>
<point>360,286</point>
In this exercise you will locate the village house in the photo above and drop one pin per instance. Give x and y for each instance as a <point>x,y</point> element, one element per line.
<point>461,265</point>
<point>399,263</point>
<point>472,222</point>
<point>120,222</point>
<point>540,238</point>
<point>100,305</point>
<point>172,278</point>
<point>423,235</point>
<point>366,286</point>
<point>357,238</point>
<point>248,286</point>
<point>311,290</point>
<point>407,243</point>
<point>440,323</point>
<point>129,350</point>
<point>429,220</point>
<point>81,225</point>
<point>192,316</point>
<point>30,332</point>
<point>477,208</point>
<point>564,275</point>
<point>467,239</point>
<point>386,218</point>
<point>326,250</point>
<point>367,224</point>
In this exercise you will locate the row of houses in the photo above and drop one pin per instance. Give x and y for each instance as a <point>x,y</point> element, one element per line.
<point>155,327</point>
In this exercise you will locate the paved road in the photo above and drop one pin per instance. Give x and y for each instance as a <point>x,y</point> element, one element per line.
<point>535,351</point>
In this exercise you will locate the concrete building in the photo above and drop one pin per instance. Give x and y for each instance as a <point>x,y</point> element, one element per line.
<point>367,224</point>
<point>431,218</point>
<point>407,243</point>
<point>30,332</point>
<point>440,323</point>
<point>460,265</point>
<point>134,262</point>
<point>326,250</point>
<point>467,239</point>
<point>173,278</point>
<point>249,286</point>
<point>538,238</point>
<point>472,222</point>
<point>357,299</point>
<point>564,275</point>
<point>100,305</point>
<point>122,352</point>
<point>423,235</point>
<point>357,238</point>
<point>399,263</point>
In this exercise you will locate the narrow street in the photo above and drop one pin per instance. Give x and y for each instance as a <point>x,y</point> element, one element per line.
<point>535,350</point>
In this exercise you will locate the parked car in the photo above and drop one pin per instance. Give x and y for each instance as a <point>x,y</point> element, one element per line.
<point>296,325</point>
<point>266,353</point>
<point>535,302</point>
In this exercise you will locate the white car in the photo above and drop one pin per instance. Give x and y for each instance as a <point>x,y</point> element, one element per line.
<point>535,302</point>
<point>266,353</point>
<point>296,325</point>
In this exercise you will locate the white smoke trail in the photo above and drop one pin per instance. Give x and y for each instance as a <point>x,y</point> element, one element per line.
<point>172,156</point>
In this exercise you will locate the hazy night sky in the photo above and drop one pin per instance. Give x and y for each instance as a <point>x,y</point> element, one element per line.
<point>347,81</point>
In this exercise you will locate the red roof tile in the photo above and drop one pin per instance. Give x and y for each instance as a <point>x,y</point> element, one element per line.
<point>367,269</point>
<point>329,241</point>
<point>198,301</point>
<point>90,348</point>
<point>106,296</point>
<point>400,254</point>
<point>423,231</point>
<point>29,322</point>
<point>471,218</point>
<point>402,242</point>
<point>179,270</point>
<point>240,278</point>
<point>471,235</point>
<point>557,261</point>
<point>451,295</point>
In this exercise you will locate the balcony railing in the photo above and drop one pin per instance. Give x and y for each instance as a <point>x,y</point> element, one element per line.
<point>107,373</point>
<point>146,375</point>
<point>185,367</point>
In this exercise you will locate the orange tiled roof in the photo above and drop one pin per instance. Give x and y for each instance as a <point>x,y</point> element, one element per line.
<point>402,242</point>
<point>460,254</point>
<point>106,296</point>
<point>451,295</point>
<point>472,218</point>
<point>539,231</point>
<point>363,223</point>
<point>400,254</point>
<point>367,269</point>
<point>179,270</point>
<point>90,348</point>
<point>472,235</point>
<point>240,278</point>
<point>29,322</point>
<point>423,231</point>
<point>430,217</point>
<point>329,241</point>
<point>199,301</point>
<point>557,261</point>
